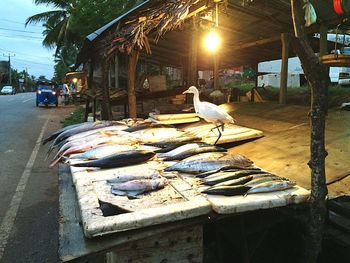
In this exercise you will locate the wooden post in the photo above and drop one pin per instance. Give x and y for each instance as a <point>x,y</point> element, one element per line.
<point>89,87</point>
<point>284,68</point>
<point>105,105</point>
<point>318,78</point>
<point>132,62</point>
<point>116,71</point>
<point>216,70</point>
<point>323,40</point>
<point>192,58</point>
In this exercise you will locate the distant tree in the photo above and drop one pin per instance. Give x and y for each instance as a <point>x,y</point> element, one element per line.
<point>71,21</point>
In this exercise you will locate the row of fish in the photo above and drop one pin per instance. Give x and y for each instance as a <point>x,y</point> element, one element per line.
<point>232,182</point>
<point>113,144</point>
<point>108,144</point>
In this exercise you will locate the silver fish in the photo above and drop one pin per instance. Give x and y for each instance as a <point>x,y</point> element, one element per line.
<point>188,150</point>
<point>271,186</point>
<point>103,151</point>
<point>260,180</point>
<point>143,185</point>
<point>121,178</point>
<point>209,161</point>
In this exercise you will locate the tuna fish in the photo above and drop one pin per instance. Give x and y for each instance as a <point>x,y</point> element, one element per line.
<point>119,159</point>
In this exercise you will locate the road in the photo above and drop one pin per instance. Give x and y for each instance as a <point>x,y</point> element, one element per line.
<point>28,188</point>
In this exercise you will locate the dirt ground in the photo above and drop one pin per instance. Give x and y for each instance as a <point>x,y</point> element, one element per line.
<point>285,148</point>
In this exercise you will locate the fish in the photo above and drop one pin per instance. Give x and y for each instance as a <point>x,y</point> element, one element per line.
<point>58,132</point>
<point>131,194</point>
<point>271,186</point>
<point>103,151</point>
<point>228,168</point>
<point>233,179</point>
<point>233,174</point>
<point>119,129</point>
<point>81,128</point>
<point>121,178</point>
<point>260,180</point>
<point>141,185</point>
<point>173,142</point>
<point>204,162</point>
<point>88,145</point>
<point>227,190</point>
<point>119,159</point>
<point>188,150</point>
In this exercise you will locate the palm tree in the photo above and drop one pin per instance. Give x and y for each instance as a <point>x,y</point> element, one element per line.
<point>56,22</point>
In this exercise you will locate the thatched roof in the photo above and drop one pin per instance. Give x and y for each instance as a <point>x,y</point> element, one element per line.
<point>162,30</point>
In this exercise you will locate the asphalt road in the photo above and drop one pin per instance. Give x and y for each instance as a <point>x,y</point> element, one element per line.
<point>28,188</point>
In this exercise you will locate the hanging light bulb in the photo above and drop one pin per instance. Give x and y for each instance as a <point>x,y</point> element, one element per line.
<point>212,41</point>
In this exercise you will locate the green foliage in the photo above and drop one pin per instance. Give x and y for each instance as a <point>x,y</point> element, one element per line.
<point>76,116</point>
<point>71,21</point>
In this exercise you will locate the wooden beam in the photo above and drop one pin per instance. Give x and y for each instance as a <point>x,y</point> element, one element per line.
<point>132,63</point>
<point>256,43</point>
<point>216,70</point>
<point>285,38</point>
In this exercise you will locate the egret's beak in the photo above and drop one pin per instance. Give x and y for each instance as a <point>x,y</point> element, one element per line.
<point>186,91</point>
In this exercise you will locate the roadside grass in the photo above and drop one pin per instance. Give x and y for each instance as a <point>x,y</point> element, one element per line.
<point>76,116</point>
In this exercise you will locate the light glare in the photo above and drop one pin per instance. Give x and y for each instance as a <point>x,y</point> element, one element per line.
<point>212,41</point>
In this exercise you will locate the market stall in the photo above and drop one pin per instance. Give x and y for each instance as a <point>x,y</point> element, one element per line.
<point>127,194</point>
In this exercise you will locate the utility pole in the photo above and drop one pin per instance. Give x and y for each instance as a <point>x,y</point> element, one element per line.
<point>9,56</point>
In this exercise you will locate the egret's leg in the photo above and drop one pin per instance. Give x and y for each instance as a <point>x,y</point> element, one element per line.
<point>217,127</point>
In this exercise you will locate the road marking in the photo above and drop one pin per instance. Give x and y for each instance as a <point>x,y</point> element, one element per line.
<point>10,216</point>
<point>28,100</point>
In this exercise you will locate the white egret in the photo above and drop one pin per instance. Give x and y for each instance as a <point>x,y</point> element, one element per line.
<point>210,112</point>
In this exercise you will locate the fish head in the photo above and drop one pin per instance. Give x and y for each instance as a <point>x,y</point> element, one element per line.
<point>191,89</point>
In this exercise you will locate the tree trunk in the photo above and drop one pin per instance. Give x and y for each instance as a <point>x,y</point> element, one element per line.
<point>317,75</point>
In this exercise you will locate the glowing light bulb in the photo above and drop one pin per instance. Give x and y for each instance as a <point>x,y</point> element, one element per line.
<point>212,41</point>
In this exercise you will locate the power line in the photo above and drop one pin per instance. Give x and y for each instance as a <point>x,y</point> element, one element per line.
<point>17,30</point>
<point>29,61</point>
<point>24,54</point>
<point>21,36</point>
<point>17,22</point>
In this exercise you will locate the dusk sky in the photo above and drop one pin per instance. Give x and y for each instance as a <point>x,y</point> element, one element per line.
<point>24,42</point>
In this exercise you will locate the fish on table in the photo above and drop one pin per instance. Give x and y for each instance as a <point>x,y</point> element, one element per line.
<point>188,150</point>
<point>103,151</point>
<point>136,187</point>
<point>227,190</point>
<point>240,180</point>
<point>205,162</point>
<point>271,186</point>
<point>58,132</point>
<point>119,159</point>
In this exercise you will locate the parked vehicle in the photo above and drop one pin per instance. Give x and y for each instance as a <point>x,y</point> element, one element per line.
<point>46,94</point>
<point>8,90</point>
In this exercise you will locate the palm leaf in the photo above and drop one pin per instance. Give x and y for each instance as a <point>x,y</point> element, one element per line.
<point>45,16</point>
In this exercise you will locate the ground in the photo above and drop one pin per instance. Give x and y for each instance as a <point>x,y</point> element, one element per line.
<point>285,148</point>
<point>33,228</point>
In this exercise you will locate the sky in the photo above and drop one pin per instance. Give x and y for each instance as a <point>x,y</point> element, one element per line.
<point>24,44</point>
